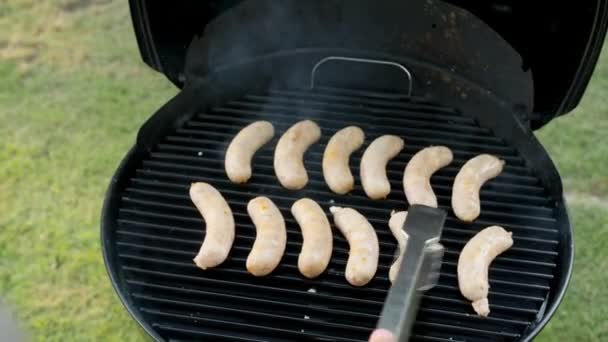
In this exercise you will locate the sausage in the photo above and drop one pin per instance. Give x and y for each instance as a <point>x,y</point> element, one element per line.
<point>242,148</point>
<point>373,165</point>
<point>219,223</point>
<point>270,239</point>
<point>474,262</point>
<point>418,172</point>
<point>469,180</point>
<point>335,158</point>
<point>364,250</point>
<point>317,242</point>
<point>395,223</point>
<point>289,154</point>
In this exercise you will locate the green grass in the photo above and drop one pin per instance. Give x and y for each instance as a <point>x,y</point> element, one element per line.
<point>73,93</point>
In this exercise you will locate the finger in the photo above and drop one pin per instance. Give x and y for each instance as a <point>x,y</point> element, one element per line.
<point>382,335</point>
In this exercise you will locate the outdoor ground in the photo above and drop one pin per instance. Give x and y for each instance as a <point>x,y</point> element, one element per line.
<point>73,92</point>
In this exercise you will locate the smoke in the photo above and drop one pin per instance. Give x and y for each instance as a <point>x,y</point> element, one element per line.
<point>283,40</point>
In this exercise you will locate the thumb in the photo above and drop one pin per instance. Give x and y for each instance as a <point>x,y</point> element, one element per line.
<point>382,335</point>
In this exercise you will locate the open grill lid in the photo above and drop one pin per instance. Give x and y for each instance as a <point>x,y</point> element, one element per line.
<point>559,43</point>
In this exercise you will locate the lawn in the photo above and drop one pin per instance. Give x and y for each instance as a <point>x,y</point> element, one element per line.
<point>74,92</point>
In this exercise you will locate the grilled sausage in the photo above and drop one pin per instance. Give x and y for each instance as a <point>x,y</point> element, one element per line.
<point>289,153</point>
<point>219,223</point>
<point>364,250</point>
<point>373,165</point>
<point>335,158</point>
<point>469,180</point>
<point>317,237</point>
<point>474,262</point>
<point>242,148</point>
<point>395,223</point>
<point>270,239</point>
<point>418,172</point>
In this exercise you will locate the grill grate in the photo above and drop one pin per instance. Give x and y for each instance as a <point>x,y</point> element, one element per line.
<point>158,230</point>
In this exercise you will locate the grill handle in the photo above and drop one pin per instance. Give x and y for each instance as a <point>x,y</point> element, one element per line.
<point>407,73</point>
<point>418,273</point>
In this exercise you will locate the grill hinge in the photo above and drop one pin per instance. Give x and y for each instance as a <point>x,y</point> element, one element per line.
<point>523,114</point>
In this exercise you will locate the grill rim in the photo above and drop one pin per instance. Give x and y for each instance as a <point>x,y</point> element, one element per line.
<point>108,216</point>
<point>120,178</point>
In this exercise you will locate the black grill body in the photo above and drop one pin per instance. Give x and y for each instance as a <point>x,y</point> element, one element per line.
<point>151,230</point>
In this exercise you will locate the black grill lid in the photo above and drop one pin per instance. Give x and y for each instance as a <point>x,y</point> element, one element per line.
<point>559,43</point>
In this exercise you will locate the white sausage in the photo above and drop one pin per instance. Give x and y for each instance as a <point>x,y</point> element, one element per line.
<point>474,261</point>
<point>418,172</point>
<point>317,237</point>
<point>364,250</point>
<point>289,154</point>
<point>395,223</point>
<point>373,165</point>
<point>219,223</point>
<point>335,158</point>
<point>469,180</point>
<point>242,148</point>
<point>270,239</point>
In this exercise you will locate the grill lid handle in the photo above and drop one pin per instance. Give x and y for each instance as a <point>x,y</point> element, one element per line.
<point>405,70</point>
<point>418,273</point>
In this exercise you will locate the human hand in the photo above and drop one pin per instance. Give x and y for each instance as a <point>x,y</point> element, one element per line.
<point>382,335</point>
